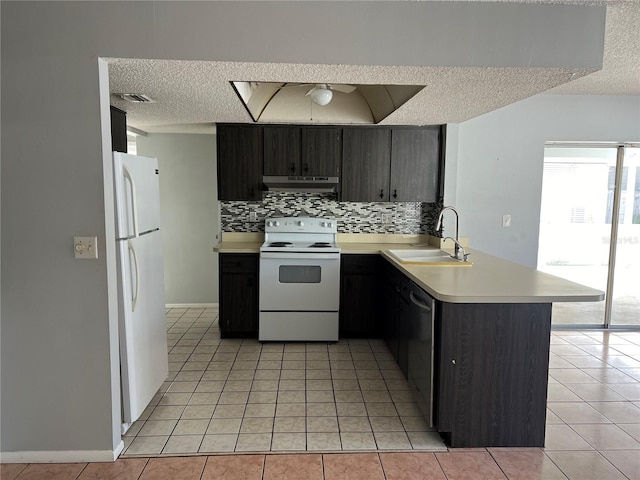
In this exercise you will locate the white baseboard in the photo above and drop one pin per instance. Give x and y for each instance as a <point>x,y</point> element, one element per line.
<point>118,450</point>
<point>65,456</point>
<point>191,305</point>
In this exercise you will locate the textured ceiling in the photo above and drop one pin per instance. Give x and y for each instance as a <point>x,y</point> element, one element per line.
<point>620,74</point>
<point>192,96</point>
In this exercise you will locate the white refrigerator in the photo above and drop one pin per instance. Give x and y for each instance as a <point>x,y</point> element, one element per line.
<point>142,329</point>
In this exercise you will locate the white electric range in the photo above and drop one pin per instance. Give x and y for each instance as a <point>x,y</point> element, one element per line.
<point>299,280</point>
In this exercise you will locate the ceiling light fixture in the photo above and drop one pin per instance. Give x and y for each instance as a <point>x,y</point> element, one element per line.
<point>321,96</point>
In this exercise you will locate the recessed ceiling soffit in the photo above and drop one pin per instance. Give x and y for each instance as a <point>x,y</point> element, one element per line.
<point>278,102</point>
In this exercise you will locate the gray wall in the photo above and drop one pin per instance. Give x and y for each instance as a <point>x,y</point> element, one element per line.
<point>500,161</point>
<point>189,214</point>
<point>59,365</point>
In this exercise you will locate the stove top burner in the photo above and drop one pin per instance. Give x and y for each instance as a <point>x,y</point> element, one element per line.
<point>320,245</point>
<point>298,236</point>
<point>279,244</point>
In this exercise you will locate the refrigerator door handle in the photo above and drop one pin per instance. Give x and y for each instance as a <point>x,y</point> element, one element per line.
<point>134,201</point>
<point>134,298</point>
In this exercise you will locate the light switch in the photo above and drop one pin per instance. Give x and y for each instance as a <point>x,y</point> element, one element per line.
<point>506,221</point>
<point>85,247</point>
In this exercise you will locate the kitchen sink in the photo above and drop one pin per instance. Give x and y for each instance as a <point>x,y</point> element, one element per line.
<point>427,257</point>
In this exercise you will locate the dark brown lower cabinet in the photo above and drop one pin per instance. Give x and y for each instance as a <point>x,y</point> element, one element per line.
<point>491,371</point>
<point>394,309</point>
<point>238,280</point>
<point>404,327</point>
<point>389,311</point>
<point>359,315</point>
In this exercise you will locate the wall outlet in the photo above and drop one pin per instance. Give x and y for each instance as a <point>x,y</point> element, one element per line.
<point>506,221</point>
<point>85,247</point>
<point>253,216</point>
<point>386,218</point>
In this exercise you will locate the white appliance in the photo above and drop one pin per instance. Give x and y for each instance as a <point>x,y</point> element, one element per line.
<point>144,363</point>
<point>299,292</point>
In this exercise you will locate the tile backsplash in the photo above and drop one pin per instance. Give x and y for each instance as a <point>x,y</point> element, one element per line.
<point>361,217</point>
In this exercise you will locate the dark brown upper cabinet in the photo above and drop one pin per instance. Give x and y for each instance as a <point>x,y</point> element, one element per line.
<point>321,151</point>
<point>282,150</point>
<point>302,151</point>
<point>239,162</point>
<point>399,164</point>
<point>375,164</point>
<point>365,164</point>
<point>414,164</point>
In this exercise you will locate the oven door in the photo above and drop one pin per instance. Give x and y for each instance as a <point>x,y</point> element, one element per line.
<point>299,282</point>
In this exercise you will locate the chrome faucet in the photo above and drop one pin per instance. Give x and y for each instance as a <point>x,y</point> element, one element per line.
<point>458,246</point>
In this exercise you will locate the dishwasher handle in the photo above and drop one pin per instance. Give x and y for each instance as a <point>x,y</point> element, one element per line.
<point>419,302</point>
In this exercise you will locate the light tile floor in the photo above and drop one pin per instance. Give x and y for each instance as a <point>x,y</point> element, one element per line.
<point>226,396</point>
<point>593,421</point>
<point>243,396</point>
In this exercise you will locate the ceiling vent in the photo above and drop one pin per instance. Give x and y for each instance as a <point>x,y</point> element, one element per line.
<point>135,97</point>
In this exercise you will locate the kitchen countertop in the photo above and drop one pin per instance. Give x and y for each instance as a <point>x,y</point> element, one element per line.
<point>489,280</point>
<point>238,247</point>
<point>240,242</point>
<point>494,280</point>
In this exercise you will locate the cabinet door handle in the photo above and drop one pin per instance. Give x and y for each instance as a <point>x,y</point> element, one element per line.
<point>381,193</point>
<point>306,168</point>
<point>293,168</point>
<point>395,194</point>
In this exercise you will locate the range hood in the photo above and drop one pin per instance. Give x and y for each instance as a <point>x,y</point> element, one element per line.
<point>277,183</point>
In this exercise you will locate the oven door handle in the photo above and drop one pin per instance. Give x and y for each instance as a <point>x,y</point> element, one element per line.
<point>300,255</point>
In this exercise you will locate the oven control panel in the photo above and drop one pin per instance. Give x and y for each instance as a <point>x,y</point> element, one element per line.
<point>301,224</point>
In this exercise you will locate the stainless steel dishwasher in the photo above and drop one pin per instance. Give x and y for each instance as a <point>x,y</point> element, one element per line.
<point>420,371</point>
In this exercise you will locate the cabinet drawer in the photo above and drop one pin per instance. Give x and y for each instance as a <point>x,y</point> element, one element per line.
<point>239,262</point>
<point>359,263</point>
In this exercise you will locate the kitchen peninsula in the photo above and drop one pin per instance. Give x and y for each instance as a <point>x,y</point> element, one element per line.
<point>491,332</point>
